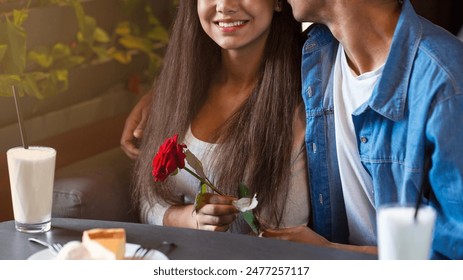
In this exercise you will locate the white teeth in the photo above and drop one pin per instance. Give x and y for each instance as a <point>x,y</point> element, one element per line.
<point>231,24</point>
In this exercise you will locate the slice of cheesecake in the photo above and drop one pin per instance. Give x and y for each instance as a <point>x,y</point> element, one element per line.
<point>112,239</point>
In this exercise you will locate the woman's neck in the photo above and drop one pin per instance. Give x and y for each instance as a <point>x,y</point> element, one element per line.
<point>238,71</point>
<point>240,67</point>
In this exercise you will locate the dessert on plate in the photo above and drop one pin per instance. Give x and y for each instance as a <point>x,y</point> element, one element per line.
<point>112,239</point>
<point>97,244</point>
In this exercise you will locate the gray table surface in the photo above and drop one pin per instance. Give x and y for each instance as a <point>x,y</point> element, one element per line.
<point>191,244</point>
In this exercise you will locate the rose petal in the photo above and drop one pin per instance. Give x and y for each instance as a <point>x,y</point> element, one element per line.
<point>245,204</point>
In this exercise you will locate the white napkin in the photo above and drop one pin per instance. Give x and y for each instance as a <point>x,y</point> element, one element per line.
<point>88,250</point>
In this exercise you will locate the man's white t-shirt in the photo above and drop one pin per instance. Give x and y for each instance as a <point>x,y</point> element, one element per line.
<point>350,92</point>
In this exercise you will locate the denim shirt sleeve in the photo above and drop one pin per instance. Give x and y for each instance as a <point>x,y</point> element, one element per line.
<point>414,122</point>
<point>444,133</point>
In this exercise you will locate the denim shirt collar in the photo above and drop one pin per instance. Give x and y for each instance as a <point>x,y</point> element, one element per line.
<point>318,36</point>
<point>390,94</point>
<point>389,97</point>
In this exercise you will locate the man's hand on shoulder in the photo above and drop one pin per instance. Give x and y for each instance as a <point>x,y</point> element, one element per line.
<point>135,126</point>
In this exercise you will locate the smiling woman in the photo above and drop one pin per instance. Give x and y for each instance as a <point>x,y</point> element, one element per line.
<point>235,103</point>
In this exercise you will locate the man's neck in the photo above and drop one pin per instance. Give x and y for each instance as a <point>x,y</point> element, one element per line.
<point>365,29</point>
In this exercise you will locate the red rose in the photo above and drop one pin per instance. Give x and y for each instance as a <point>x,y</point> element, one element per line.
<point>169,157</point>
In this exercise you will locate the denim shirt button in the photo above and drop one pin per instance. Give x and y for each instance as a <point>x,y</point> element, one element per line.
<point>309,91</point>
<point>363,139</point>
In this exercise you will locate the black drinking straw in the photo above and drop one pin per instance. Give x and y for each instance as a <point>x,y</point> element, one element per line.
<point>20,119</point>
<point>418,201</point>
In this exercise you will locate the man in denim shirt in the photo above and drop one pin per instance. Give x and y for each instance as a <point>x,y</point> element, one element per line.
<point>383,90</point>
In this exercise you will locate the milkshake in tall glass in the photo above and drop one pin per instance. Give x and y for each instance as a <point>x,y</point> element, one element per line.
<point>401,236</point>
<point>32,173</point>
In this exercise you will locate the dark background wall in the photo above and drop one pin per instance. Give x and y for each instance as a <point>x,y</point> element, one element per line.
<point>446,13</point>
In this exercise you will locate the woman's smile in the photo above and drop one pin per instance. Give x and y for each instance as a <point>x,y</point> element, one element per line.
<point>236,24</point>
<point>231,25</point>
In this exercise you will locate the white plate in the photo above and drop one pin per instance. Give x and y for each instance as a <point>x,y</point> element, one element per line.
<point>130,249</point>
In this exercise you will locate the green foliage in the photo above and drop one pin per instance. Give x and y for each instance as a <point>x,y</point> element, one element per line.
<point>43,71</point>
<point>12,50</point>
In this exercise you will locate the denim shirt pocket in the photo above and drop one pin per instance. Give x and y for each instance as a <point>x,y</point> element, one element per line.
<point>393,161</point>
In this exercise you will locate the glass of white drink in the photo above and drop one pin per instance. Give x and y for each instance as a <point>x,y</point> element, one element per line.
<point>400,236</point>
<point>32,173</point>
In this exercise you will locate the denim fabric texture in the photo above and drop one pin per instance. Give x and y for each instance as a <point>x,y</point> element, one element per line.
<point>409,133</point>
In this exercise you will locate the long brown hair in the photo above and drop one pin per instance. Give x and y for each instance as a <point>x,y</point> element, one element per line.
<point>256,142</point>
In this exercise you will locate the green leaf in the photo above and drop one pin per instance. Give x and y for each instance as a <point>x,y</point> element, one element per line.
<point>80,37</point>
<point>43,59</point>
<point>89,28</point>
<point>60,50</point>
<point>86,24</point>
<point>101,52</point>
<point>42,85</point>
<point>31,86</point>
<point>199,200</point>
<point>123,28</point>
<point>63,57</point>
<point>20,16</point>
<point>101,36</point>
<point>159,33</point>
<point>121,57</point>
<point>69,62</point>
<point>6,81</point>
<point>57,82</point>
<point>195,163</point>
<point>243,191</point>
<point>14,60</point>
<point>62,79</point>
<point>248,216</point>
<point>132,42</point>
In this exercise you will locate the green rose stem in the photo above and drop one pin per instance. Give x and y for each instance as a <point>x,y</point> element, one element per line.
<point>207,182</point>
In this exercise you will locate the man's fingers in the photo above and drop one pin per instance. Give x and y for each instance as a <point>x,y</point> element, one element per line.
<point>138,132</point>
<point>134,127</point>
<point>128,141</point>
<point>131,150</point>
